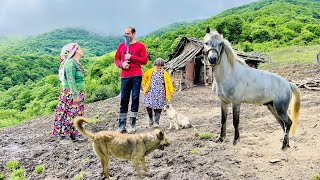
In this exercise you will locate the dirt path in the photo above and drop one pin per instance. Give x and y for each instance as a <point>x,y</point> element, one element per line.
<point>188,157</point>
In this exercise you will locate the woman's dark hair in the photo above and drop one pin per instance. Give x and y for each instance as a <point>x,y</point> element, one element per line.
<point>159,62</point>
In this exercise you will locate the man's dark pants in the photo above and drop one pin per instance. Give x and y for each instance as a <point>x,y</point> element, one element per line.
<point>129,85</point>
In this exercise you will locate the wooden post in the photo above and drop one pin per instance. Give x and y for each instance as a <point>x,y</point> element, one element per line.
<point>205,71</point>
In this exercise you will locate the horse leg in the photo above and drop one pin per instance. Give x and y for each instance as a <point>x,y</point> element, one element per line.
<point>282,112</point>
<point>224,113</point>
<point>236,115</point>
<point>274,113</point>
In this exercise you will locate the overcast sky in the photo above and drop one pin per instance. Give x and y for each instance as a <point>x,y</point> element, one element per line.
<point>30,17</point>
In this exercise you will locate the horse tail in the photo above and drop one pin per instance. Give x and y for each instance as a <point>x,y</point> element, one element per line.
<point>294,107</point>
<point>78,123</point>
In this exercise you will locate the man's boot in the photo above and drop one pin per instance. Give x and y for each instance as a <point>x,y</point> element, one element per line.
<point>156,119</point>
<point>122,122</point>
<point>133,120</point>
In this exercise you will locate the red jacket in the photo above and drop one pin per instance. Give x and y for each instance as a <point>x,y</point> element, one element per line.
<point>138,57</point>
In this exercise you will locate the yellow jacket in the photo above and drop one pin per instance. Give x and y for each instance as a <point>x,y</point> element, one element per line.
<point>146,81</point>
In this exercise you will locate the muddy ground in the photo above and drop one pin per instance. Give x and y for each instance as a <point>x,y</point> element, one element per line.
<point>188,156</point>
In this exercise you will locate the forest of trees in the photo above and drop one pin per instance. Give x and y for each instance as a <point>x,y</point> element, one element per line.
<point>51,43</point>
<point>29,84</point>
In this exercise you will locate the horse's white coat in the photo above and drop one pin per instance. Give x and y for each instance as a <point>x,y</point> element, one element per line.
<point>235,82</point>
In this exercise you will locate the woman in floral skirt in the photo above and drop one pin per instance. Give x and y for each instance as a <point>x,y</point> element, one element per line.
<point>72,94</point>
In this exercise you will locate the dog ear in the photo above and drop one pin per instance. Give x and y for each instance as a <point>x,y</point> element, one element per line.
<point>160,135</point>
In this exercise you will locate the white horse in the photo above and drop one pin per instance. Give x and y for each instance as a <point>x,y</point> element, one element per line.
<point>235,83</point>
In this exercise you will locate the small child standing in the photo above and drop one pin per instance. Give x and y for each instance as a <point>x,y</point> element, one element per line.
<point>158,89</point>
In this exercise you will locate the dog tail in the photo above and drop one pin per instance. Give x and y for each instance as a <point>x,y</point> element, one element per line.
<point>78,123</point>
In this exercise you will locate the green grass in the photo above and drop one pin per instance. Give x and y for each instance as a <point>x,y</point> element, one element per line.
<point>39,169</point>
<point>110,112</point>
<point>80,176</point>
<point>87,159</point>
<point>292,54</point>
<point>2,176</point>
<point>93,120</point>
<point>297,54</point>
<point>195,151</point>
<point>216,136</point>
<point>12,165</point>
<point>97,116</point>
<point>316,176</point>
<point>18,174</point>
<point>205,135</point>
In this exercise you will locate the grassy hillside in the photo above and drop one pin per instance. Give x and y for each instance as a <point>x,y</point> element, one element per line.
<point>50,43</point>
<point>258,26</point>
<point>36,57</point>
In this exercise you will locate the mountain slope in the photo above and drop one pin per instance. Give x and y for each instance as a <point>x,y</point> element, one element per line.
<point>259,26</point>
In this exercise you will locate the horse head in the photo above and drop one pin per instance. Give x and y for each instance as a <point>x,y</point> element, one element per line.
<point>213,46</point>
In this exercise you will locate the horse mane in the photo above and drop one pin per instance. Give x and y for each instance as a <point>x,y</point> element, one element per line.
<point>231,55</point>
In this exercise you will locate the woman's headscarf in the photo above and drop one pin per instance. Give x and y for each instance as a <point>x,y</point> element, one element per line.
<point>68,51</point>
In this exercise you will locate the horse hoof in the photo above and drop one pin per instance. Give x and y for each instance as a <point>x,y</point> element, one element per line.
<point>236,141</point>
<point>219,140</point>
<point>284,147</point>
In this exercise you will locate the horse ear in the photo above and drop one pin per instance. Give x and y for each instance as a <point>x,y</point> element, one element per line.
<point>208,30</point>
<point>220,31</point>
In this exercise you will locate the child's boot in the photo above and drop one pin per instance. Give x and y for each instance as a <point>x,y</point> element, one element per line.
<point>156,119</point>
<point>150,114</point>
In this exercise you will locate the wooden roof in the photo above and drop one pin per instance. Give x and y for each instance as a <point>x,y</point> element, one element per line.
<point>190,47</point>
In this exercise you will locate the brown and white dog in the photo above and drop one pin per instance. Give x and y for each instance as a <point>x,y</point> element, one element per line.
<point>176,119</point>
<point>132,147</point>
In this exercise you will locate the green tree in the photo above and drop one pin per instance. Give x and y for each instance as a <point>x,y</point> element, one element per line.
<point>6,82</point>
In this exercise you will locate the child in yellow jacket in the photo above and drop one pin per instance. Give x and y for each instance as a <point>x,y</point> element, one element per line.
<point>158,89</point>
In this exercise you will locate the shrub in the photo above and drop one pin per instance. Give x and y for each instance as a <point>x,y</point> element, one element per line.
<point>19,174</point>
<point>205,135</point>
<point>39,169</point>
<point>12,165</point>
<point>247,47</point>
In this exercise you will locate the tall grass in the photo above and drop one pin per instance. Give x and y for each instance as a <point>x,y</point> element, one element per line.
<point>292,55</point>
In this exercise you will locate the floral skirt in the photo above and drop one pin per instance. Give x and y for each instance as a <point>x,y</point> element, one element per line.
<point>66,111</point>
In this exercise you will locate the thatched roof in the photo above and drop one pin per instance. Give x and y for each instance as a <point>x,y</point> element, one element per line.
<point>187,48</point>
<point>190,47</point>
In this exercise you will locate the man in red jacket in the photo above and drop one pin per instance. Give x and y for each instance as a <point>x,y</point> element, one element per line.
<point>131,76</point>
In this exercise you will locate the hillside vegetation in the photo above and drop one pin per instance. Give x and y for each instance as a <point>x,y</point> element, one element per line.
<point>37,57</point>
<point>50,43</point>
<point>258,26</point>
<point>266,25</point>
